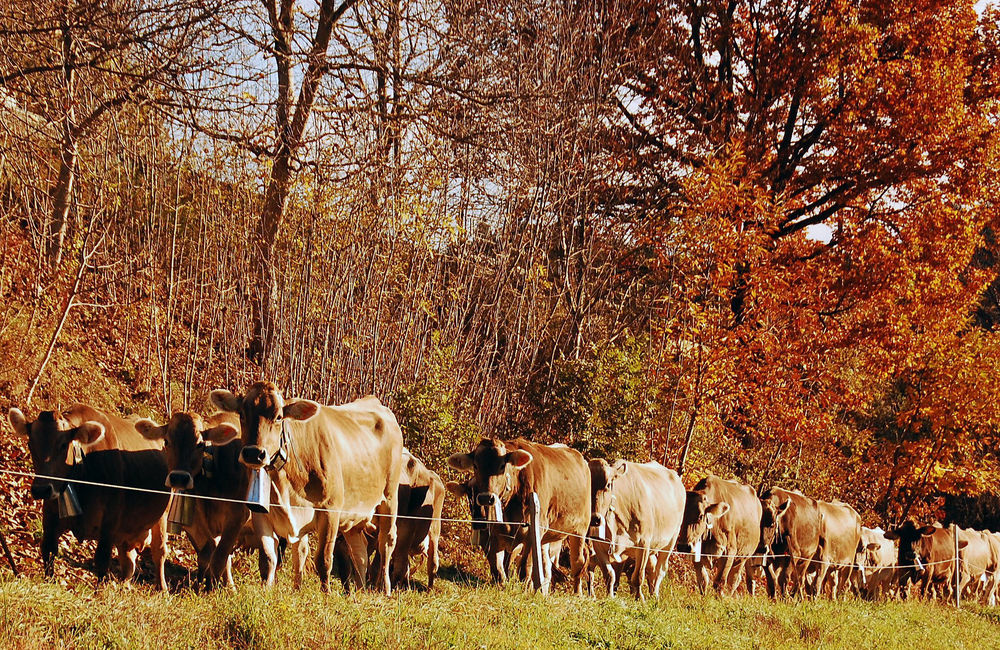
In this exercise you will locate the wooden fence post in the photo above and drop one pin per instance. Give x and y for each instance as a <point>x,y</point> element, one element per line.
<point>537,562</point>
<point>958,568</point>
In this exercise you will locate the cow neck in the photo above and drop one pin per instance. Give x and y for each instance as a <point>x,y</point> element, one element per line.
<point>293,471</point>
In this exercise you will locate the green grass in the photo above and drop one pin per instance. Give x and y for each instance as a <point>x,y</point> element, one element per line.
<point>38,614</point>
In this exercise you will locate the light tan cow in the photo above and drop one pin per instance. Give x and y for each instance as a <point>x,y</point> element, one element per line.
<point>648,505</point>
<point>722,530</point>
<point>839,540</point>
<point>421,500</point>
<point>508,473</point>
<point>980,560</point>
<point>53,453</point>
<point>877,575</point>
<point>345,460</point>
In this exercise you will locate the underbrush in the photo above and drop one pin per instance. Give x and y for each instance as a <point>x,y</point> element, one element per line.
<point>36,614</point>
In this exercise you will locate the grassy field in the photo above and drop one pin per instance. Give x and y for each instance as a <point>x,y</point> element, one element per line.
<point>34,614</point>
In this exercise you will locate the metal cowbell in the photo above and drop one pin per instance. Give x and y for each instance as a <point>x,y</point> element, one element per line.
<point>69,504</point>
<point>259,496</point>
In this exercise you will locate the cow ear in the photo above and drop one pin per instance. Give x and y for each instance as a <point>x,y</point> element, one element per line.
<point>927,531</point>
<point>873,546</point>
<point>89,433</point>
<point>718,510</point>
<point>225,400</point>
<point>892,534</point>
<point>222,434</point>
<point>620,467</point>
<point>784,506</point>
<point>456,488</point>
<point>300,409</point>
<point>519,458</point>
<point>149,429</point>
<point>461,462</point>
<point>18,421</point>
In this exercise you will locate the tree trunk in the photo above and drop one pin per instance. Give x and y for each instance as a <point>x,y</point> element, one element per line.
<point>62,192</point>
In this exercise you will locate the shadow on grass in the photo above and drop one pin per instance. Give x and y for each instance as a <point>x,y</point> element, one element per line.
<point>461,577</point>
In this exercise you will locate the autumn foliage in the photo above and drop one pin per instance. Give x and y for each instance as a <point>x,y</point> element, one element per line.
<point>754,238</point>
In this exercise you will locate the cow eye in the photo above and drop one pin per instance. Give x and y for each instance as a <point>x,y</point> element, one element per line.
<point>201,445</point>
<point>278,418</point>
<point>166,443</point>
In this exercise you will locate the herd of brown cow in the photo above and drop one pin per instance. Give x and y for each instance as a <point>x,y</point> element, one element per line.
<point>341,475</point>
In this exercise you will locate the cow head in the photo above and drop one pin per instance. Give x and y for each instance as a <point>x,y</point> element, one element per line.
<point>868,553</point>
<point>184,439</point>
<point>494,471</point>
<point>262,413</point>
<point>55,447</point>
<point>700,518</point>
<point>602,481</point>
<point>774,506</point>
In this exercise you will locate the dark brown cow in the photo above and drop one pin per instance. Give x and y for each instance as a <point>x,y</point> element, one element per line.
<point>790,527</point>
<point>508,473</point>
<point>203,459</point>
<point>53,450</point>
<point>345,460</point>
<point>418,526</point>
<point>722,529</point>
<point>839,543</point>
<point>926,554</point>
<point>115,517</point>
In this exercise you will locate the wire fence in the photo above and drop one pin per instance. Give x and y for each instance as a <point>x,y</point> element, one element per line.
<point>620,546</point>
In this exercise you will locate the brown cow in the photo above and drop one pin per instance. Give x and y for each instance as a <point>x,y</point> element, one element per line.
<point>345,460</point>
<point>839,542</point>
<point>203,459</point>
<point>418,526</point>
<point>722,529</point>
<point>53,451</point>
<point>115,517</point>
<point>790,527</point>
<point>648,505</point>
<point>926,554</point>
<point>508,473</point>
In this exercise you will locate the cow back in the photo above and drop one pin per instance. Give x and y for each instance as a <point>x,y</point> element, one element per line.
<point>128,514</point>
<point>840,533</point>
<point>561,478</point>
<point>649,504</point>
<point>119,432</point>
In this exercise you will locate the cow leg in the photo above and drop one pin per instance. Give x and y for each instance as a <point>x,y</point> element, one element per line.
<point>660,572</point>
<point>205,552</point>
<point>300,556</point>
<point>357,545</point>
<point>817,590</point>
<point>387,536</point>
<point>50,536</point>
<point>327,528</point>
<point>267,559</point>
<point>641,560</point>
<point>221,562</point>
<point>602,561</point>
<point>701,574</point>
<point>126,561</point>
<point>158,549</point>
<point>722,575</point>
<point>102,557</point>
<point>433,560</point>
<point>735,571</point>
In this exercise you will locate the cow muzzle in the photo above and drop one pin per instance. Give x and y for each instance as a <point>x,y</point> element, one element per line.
<point>486,499</point>
<point>253,456</point>
<point>178,480</point>
<point>596,520</point>
<point>42,491</point>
